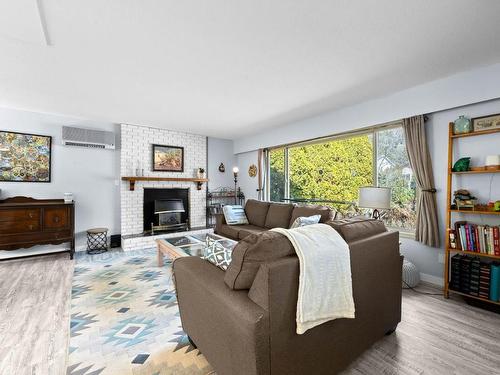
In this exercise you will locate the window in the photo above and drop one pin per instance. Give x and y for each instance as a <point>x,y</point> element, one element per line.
<point>277,180</point>
<point>334,169</point>
<point>394,171</point>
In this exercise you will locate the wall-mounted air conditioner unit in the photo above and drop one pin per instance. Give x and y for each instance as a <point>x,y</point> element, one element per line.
<point>88,138</point>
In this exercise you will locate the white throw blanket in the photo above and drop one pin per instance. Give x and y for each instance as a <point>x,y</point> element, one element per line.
<point>325,284</point>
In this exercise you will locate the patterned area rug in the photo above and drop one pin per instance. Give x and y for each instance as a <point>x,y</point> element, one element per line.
<point>125,320</point>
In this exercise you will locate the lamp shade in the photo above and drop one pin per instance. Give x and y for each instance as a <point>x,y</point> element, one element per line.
<point>375,197</point>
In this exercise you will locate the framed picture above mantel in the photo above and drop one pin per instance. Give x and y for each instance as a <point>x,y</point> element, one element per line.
<point>24,157</point>
<point>168,158</point>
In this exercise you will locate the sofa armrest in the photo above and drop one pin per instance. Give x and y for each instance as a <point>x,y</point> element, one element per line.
<point>220,220</point>
<point>227,326</point>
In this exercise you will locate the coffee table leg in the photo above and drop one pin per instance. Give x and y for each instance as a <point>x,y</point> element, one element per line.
<point>160,257</point>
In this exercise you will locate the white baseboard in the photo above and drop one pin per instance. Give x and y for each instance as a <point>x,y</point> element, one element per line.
<point>430,279</point>
<point>32,251</point>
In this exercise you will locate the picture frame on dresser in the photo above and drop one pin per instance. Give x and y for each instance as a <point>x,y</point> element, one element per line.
<point>25,157</point>
<point>168,158</point>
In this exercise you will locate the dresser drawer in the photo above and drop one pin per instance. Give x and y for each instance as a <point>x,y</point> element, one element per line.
<point>56,218</point>
<point>20,214</point>
<point>16,241</point>
<point>26,226</point>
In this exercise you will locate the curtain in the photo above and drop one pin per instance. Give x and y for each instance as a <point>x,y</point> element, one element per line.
<point>427,230</point>
<point>262,165</point>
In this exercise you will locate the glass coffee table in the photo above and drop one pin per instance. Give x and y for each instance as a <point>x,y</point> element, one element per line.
<point>188,245</point>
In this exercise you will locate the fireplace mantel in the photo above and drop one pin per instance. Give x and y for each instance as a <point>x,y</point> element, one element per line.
<point>132,179</point>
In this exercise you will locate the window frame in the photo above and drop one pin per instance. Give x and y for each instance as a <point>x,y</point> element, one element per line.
<point>372,130</point>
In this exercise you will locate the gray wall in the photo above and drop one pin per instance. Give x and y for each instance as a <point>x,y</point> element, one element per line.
<point>427,259</point>
<point>92,175</point>
<point>461,89</point>
<point>220,151</point>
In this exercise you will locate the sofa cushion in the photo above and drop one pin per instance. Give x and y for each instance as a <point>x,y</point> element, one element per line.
<point>256,212</point>
<point>219,252</point>
<point>251,252</point>
<point>234,215</point>
<point>357,228</point>
<point>310,210</point>
<point>246,230</point>
<point>230,231</point>
<point>278,215</point>
<point>302,221</point>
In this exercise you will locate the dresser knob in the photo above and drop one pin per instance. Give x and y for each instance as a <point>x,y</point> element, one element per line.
<point>31,215</point>
<point>56,219</point>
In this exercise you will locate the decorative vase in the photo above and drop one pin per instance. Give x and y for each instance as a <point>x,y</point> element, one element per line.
<point>492,162</point>
<point>462,125</point>
<point>200,173</point>
<point>461,165</point>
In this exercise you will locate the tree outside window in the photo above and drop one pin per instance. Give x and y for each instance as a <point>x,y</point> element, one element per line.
<point>336,169</point>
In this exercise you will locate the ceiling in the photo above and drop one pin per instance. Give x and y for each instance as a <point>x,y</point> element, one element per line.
<point>230,68</point>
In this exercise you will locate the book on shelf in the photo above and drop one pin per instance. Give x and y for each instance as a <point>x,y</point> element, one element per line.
<point>475,276</point>
<point>484,239</point>
<point>495,282</point>
<point>484,279</point>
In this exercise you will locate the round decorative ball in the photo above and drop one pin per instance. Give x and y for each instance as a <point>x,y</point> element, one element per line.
<point>411,276</point>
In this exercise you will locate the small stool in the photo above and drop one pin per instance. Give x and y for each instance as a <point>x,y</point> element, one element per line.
<point>97,240</point>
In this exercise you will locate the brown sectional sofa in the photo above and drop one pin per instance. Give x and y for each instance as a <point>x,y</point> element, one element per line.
<point>243,320</point>
<point>263,216</point>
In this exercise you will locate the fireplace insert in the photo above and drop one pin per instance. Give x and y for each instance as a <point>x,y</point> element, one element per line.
<point>166,210</point>
<point>169,213</point>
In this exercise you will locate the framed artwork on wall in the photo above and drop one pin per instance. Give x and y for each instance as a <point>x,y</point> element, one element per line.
<point>168,158</point>
<point>24,157</point>
<point>486,123</point>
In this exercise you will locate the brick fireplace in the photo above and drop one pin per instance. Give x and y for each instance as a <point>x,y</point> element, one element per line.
<point>136,153</point>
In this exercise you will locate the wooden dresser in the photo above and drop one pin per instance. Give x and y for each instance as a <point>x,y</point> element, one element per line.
<point>26,222</point>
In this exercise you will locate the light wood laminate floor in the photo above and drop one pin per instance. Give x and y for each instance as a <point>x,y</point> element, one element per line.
<point>35,298</point>
<point>436,336</point>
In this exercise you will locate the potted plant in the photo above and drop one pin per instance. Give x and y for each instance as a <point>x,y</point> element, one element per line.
<point>200,173</point>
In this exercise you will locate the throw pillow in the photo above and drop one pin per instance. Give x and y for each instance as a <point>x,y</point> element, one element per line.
<point>253,251</point>
<point>234,215</point>
<point>217,254</point>
<point>302,221</point>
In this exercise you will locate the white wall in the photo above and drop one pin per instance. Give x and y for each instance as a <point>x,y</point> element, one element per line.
<point>427,258</point>
<point>461,89</point>
<point>92,175</point>
<point>220,151</point>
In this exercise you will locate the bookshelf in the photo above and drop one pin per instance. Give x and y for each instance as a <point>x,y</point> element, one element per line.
<point>451,214</point>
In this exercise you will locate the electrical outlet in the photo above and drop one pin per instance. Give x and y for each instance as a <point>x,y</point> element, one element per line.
<point>441,258</point>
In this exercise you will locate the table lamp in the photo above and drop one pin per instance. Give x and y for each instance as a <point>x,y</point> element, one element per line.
<point>376,198</point>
